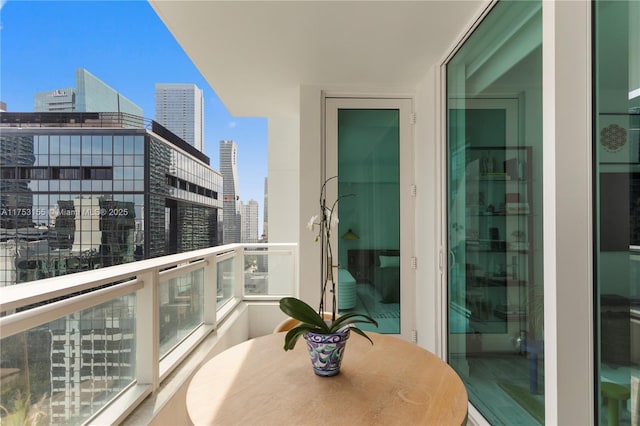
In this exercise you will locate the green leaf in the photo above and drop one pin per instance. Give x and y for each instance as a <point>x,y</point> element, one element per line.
<point>311,321</point>
<point>294,334</point>
<point>362,333</point>
<point>304,313</point>
<point>351,318</point>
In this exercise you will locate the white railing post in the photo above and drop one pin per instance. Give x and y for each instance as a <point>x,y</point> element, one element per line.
<point>148,330</point>
<point>210,291</point>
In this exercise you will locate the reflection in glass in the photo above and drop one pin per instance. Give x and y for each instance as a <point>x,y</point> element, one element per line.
<point>369,187</point>
<point>69,368</point>
<point>267,272</point>
<point>75,145</point>
<point>225,281</point>
<point>181,308</point>
<point>616,138</point>
<point>494,237</point>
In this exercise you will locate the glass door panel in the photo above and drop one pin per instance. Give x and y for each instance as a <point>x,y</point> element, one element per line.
<point>617,179</point>
<point>364,147</point>
<point>494,215</point>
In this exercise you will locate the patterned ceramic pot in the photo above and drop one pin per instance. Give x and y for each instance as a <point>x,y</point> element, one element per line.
<point>326,351</point>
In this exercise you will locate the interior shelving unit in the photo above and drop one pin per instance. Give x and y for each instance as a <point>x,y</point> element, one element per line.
<point>499,239</point>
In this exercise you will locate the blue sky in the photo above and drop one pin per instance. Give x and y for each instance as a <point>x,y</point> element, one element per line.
<point>127,46</point>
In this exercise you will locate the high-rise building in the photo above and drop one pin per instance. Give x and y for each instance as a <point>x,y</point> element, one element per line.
<point>180,108</point>
<point>249,233</point>
<point>265,215</point>
<point>90,95</point>
<point>231,198</point>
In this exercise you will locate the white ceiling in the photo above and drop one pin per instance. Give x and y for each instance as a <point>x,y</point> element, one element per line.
<point>256,55</point>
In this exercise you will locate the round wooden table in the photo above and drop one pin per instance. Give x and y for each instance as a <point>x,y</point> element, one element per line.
<point>391,382</point>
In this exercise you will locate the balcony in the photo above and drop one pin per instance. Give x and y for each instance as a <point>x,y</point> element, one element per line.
<point>94,346</point>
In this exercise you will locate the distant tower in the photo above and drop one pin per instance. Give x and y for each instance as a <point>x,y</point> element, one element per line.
<point>3,107</point>
<point>180,108</point>
<point>90,95</point>
<point>265,214</point>
<point>230,199</point>
<point>250,222</point>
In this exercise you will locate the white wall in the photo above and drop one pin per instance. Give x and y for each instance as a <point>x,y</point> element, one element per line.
<point>309,181</point>
<point>283,188</point>
<point>568,245</point>
<point>283,149</point>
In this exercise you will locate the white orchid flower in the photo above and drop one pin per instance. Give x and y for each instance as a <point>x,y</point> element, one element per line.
<point>334,218</point>
<point>312,222</point>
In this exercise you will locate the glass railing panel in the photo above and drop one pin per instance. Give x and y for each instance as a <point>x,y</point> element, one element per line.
<point>268,272</point>
<point>64,371</point>
<point>181,308</point>
<point>225,281</point>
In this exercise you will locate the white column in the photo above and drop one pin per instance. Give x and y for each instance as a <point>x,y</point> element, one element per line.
<point>283,190</point>
<point>567,177</point>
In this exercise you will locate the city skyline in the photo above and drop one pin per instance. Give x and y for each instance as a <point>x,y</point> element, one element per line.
<point>124,49</point>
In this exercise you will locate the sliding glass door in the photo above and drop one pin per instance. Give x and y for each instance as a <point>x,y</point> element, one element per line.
<point>494,214</point>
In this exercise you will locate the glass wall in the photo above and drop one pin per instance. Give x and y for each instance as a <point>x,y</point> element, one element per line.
<point>617,179</point>
<point>494,214</point>
<point>183,202</point>
<point>69,202</point>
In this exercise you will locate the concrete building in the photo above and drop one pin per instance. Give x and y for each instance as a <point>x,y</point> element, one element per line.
<point>180,108</point>
<point>265,214</point>
<point>249,222</point>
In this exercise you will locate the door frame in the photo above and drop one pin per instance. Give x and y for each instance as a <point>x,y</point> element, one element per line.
<point>405,105</point>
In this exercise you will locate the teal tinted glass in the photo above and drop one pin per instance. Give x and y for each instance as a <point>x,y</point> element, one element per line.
<point>369,227</point>
<point>494,215</point>
<point>616,141</point>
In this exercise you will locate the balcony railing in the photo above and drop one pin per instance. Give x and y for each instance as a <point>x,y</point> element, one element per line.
<point>89,347</point>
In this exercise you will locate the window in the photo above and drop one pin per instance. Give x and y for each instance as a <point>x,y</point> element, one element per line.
<point>69,173</point>
<point>8,172</point>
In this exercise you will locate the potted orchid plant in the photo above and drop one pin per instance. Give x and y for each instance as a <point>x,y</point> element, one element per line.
<point>326,333</point>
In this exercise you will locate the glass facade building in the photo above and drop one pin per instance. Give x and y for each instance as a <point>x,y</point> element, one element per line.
<point>231,221</point>
<point>180,108</point>
<point>76,197</point>
<point>90,95</point>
